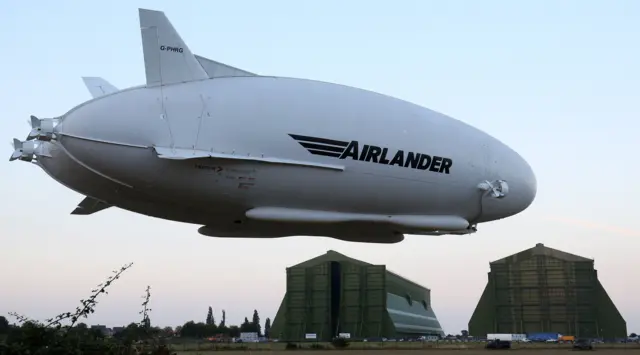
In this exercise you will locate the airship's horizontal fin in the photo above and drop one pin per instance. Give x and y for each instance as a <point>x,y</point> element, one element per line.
<point>185,154</point>
<point>218,70</point>
<point>167,59</point>
<point>90,205</point>
<point>98,86</point>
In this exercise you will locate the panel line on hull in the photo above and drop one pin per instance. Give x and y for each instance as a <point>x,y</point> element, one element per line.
<point>103,141</point>
<point>91,169</point>
<point>185,154</point>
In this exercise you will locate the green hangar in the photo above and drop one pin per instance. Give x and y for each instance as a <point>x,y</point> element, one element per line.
<point>544,290</point>
<point>333,294</point>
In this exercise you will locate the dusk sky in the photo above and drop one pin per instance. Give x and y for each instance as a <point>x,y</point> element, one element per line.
<point>555,80</point>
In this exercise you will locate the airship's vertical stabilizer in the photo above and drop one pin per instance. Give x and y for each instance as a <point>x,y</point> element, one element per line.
<point>219,70</point>
<point>167,59</point>
<point>98,86</point>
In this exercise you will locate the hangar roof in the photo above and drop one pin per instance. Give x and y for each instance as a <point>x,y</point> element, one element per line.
<point>540,249</point>
<point>332,255</point>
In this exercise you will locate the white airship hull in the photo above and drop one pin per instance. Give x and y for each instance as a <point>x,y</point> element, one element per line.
<point>221,216</point>
<point>258,156</point>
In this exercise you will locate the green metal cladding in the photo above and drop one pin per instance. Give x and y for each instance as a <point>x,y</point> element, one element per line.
<point>334,294</point>
<point>546,290</point>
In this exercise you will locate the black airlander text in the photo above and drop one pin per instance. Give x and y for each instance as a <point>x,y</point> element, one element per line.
<point>380,155</point>
<point>373,154</point>
<point>172,49</point>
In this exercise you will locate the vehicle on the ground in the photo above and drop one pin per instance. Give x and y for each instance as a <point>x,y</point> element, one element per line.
<point>583,344</point>
<point>498,344</point>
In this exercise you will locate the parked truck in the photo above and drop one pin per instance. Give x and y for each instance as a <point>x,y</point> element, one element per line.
<point>567,339</point>
<point>542,337</point>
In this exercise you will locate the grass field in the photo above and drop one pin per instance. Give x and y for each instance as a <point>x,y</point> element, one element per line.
<point>415,352</point>
<point>412,352</point>
<point>391,348</point>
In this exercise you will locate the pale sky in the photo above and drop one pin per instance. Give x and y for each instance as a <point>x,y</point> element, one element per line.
<point>555,80</point>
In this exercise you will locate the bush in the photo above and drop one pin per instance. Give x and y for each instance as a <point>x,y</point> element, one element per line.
<point>317,346</point>
<point>340,343</point>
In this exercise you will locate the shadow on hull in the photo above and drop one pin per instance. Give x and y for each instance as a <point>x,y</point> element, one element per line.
<point>350,232</point>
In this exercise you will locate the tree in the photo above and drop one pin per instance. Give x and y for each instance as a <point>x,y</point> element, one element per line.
<point>4,325</point>
<point>267,327</point>
<point>223,322</point>
<point>167,331</point>
<point>245,326</point>
<point>464,333</point>
<point>195,330</point>
<point>256,322</point>
<point>632,335</point>
<point>234,331</point>
<point>209,320</point>
<point>131,333</point>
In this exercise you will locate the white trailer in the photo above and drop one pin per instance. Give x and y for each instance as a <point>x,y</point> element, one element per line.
<point>249,337</point>
<point>503,337</point>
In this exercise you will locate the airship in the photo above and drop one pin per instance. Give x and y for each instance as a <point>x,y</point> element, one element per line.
<point>244,155</point>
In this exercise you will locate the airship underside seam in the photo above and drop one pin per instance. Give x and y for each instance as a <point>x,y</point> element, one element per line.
<point>66,151</point>
<point>106,141</point>
<point>87,206</point>
<point>185,154</point>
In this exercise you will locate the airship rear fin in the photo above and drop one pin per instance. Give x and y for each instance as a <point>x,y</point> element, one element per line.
<point>167,59</point>
<point>89,206</point>
<point>218,70</point>
<point>98,86</point>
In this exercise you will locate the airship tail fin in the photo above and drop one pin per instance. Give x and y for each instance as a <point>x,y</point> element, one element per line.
<point>98,86</point>
<point>89,206</point>
<point>218,70</point>
<point>167,59</point>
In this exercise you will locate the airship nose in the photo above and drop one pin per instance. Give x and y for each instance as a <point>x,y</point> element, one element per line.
<point>528,184</point>
<point>522,185</point>
<point>519,183</point>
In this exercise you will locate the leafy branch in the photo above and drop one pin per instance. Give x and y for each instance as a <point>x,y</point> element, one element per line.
<point>145,323</point>
<point>152,343</point>
<point>86,307</point>
<point>39,338</point>
<point>23,319</point>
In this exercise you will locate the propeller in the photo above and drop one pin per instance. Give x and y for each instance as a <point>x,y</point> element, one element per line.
<point>42,129</point>
<point>23,150</point>
<point>17,149</point>
<point>498,188</point>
